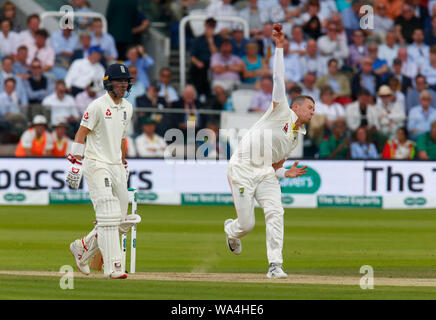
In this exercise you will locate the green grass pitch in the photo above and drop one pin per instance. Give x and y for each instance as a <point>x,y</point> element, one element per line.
<point>331,241</point>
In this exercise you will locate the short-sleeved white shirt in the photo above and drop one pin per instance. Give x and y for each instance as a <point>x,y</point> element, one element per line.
<point>109,124</point>
<point>271,139</point>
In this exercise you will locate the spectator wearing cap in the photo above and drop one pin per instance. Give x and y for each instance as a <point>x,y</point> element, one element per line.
<point>42,49</point>
<point>35,141</point>
<point>137,88</point>
<point>426,144</point>
<point>166,90</point>
<point>84,98</point>
<point>143,61</point>
<point>389,50</point>
<point>238,41</point>
<point>83,71</point>
<point>38,86</point>
<point>149,144</point>
<point>254,66</point>
<point>84,44</point>
<point>104,40</point>
<point>61,105</point>
<point>262,98</point>
<point>7,72</point>
<point>421,116</point>
<point>313,61</point>
<point>61,142</point>
<point>223,8</point>
<point>21,67</point>
<point>412,97</point>
<point>9,40</point>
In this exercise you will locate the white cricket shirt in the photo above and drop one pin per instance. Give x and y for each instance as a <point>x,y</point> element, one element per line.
<point>109,124</point>
<point>271,139</point>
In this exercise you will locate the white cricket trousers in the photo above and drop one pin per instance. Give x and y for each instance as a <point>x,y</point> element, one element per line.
<point>247,184</point>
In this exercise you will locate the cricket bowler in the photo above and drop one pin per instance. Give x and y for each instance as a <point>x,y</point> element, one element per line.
<point>101,159</point>
<point>257,164</point>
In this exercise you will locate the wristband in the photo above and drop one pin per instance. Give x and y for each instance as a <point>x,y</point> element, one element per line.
<point>77,149</point>
<point>280,172</point>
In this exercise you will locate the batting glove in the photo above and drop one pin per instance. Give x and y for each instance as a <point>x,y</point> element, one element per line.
<point>74,174</point>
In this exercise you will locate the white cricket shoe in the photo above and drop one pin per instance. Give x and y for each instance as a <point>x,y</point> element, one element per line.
<point>118,272</point>
<point>77,254</point>
<point>234,245</point>
<point>276,272</point>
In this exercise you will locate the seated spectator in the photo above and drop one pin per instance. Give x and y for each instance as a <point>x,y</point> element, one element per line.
<point>83,71</point>
<point>312,28</point>
<point>293,72</point>
<point>284,13</point>
<point>339,82</point>
<point>358,49</point>
<point>430,33</point>
<point>84,45</point>
<point>421,116</point>
<point>254,18</point>
<point>382,23</point>
<point>379,66</point>
<point>351,16</point>
<point>28,36</point>
<point>137,88</point>
<point>21,67</point>
<point>104,40</point>
<point>166,90</point>
<point>64,41</point>
<point>151,99</point>
<point>412,97</point>
<point>81,6</point>
<point>190,118</point>
<point>365,78</point>
<point>137,56</point>
<point>418,50</point>
<point>331,46</point>
<point>337,145</point>
<point>360,112</point>
<point>429,69</point>
<point>42,50</point>
<point>406,23</point>
<point>149,144</point>
<point>389,50</point>
<point>226,69</point>
<point>266,43</point>
<point>61,142</point>
<point>84,98</point>
<point>426,144</point>
<point>263,97</point>
<point>238,41</point>
<point>313,61</point>
<point>313,12</point>
<point>141,25</point>
<point>399,148</point>
<point>405,83</point>
<point>7,72</point>
<point>214,145</point>
<point>223,8</point>
<point>9,13</point>
<point>397,95</point>
<point>61,105</point>
<point>308,86</point>
<point>409,67</point>
<point>362,148</point>
<point>298,45</point>
<point>202,49</point>
<point>9,40</point>
<point>254,66</point>
<point>390,115</point>
<point>328,107</point>
<point>37,86</point>
<point>35,141</point>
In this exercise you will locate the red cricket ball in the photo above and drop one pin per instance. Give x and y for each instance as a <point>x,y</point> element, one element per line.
<point>277,27</point>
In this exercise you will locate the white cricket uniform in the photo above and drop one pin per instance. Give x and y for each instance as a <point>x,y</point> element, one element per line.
<point>251,175</point>
<point>103,169</point>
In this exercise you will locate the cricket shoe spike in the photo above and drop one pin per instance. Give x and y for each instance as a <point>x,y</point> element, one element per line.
<point>234,245</point>
<point>118,272</point>
<point>77,254</point>
<point>276,272</point>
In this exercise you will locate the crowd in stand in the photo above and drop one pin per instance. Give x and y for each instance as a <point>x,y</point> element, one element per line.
<point>375,89</point>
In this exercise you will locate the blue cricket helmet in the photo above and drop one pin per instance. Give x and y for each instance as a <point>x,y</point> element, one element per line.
<point>116,71</point>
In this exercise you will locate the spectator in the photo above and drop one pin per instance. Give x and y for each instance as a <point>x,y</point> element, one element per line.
<point>61,105</point>
<point>339,83</point>
<point>312,28</point>
<point>397,95</point>
<point>9,40</point>
<point>393,7</point>
<point>406,23</point>
<point>313,61</point>
<point>104,40</point>
<point>35,141</point>
<point>366,78</point>
<point>37,86</point>
<point>362,148</point>
<point>412,97</point>
<point>380,66</point>
<point>430,33</point>
<point>421,116</point>
<point>137,56</point>
<point>285,14</point>
<point>8,99</point>
<point>202,49</point>
<point>142,23</point>
<point>399,148</point>
<point>84,98</point>
<point>337,145</point>
<point>9,13</point>
<point>222,8</point>
<point>351,16</point>
<point>409,67</point>
<point>83,71</point>
<point>226,70</point>
<point>331,46</point>
<point>254,17</point>
<point>294,92</point>
<point>81,23</point>
<point>266,43</point>
<point>61,142</point>
<point>166,90</point>
<point>308,86</point>
<point>390,115</point>
<point>298,45</point>
<point>238,41</point>
<point>329,108</point>
<point>429,69</point>
<point>21,67</point>
<point>254,66</point>
<point>358,48</point>
<point>426,144</point>
<point>263,97</point>
<point>405,83</point>
<point>214,145</point>
<point>313,12</point>
<point>149,144</point>
<point>418,50</point>
<point>64,41</point>
<point>382,23</point>
<point>41,49</point>
<point>421,11</point>
<point>389,50</point>
<point>83,50</point>
<point>293,72</point>
<point>361,113</point>
<point>7,72</point>
<point>28,36</point>
<point>137,89</point>
<point>190,118</point>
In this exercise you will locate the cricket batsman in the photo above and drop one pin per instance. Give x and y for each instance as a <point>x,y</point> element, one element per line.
<point>101,159</point>
<point>257,164</point>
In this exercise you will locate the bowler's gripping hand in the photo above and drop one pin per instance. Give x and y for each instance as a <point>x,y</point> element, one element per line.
<point>74,174</point>
<point>294,172</point>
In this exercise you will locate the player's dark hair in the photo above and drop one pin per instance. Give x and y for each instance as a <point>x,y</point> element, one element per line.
<point>299,100</point>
